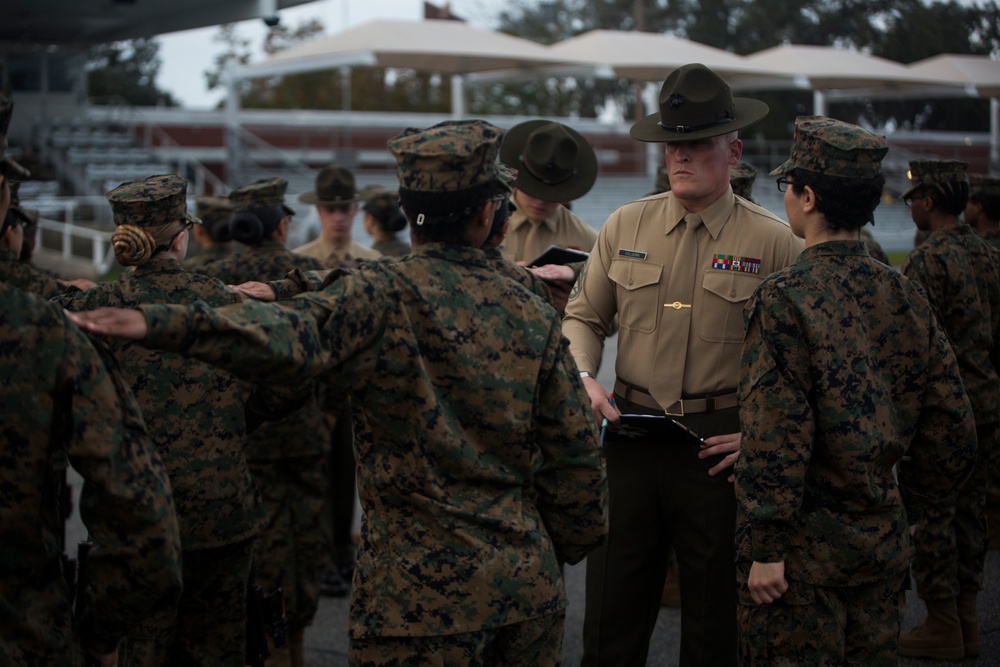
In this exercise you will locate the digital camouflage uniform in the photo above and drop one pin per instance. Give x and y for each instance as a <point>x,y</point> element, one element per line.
<point>479,468</point>
<point>286,456</point>
<point>961,275</point>
<point>62,406</point>
<point>845,374</point>
<point>195,414</point>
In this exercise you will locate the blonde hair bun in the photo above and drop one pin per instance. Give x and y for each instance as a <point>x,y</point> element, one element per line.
<point>133,245</point>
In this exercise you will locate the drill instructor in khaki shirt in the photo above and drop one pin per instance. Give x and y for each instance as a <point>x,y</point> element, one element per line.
<point>677,269</point>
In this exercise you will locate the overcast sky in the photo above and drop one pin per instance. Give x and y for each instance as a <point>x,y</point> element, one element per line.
<point>187,55</point>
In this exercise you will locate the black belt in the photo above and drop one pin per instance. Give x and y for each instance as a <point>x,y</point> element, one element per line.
<point>686,406</point>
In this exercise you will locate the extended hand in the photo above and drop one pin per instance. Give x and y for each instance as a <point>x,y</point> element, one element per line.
<point>600,402</point>
<point>554,273</point>
<point>728,444</point>
<point>767,581</point>
<point>258,291</point>
<point>118,322</point>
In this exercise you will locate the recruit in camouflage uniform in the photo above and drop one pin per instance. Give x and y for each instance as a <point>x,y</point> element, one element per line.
<point>62,405</point>
<point>286,456</point>
<point>195,416</point>
<point>213,235</point>
<point>480,469</point>
<point>960,273</point>
<point>983,214</point>
<point>844,374</point>
<point>12,270</point>
<point>983,209</point>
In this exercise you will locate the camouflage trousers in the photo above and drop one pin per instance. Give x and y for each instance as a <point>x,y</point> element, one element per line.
<point>289,550</point>
<point>951,540</point>
<point>533,643</point>
<point>208,627</point>
<point>822,626</point>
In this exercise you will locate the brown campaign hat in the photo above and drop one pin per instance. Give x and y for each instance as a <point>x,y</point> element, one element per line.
<point>334,187</point>
<point>696,103</point>
<point>554,162</point>
<point>153,201</point>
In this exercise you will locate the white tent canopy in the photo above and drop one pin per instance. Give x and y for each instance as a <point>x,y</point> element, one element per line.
<point>650,57</point>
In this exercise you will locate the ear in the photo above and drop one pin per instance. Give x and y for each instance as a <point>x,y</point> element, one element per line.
<point>735,151</point>
<point>175,244</point>
<point>808,200</point>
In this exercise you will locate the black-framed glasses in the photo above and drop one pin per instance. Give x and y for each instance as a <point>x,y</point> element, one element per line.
<point>783,184</point>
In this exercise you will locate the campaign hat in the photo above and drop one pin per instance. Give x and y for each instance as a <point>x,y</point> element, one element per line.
<point>696,103</point>
<point>335,186</point>
<point>554,162</point>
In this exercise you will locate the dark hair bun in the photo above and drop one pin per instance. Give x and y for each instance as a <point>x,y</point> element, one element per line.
<point>247,228</point>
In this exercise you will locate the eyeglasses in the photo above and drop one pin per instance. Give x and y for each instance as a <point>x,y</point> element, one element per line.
<point>783,184</point>
<point>909,199</point>
<point>166,246</point>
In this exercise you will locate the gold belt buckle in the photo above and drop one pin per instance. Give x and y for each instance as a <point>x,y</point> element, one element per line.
<point>676,414</point>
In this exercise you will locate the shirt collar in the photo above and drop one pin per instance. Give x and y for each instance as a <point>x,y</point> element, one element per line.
<point>518,218</point>
<point>714,216</point>
<point>452,253</point>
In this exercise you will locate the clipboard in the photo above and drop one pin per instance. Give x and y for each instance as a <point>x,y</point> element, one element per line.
<point>557,255</point>
<point>649,429</point>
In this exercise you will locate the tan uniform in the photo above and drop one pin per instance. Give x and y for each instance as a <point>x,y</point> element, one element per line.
<point>627,272</point>
<point>322,249</point>
<point>664,496</point>
<point>527,240</point>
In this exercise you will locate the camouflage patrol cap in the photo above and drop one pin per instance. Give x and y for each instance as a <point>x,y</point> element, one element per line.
<point>930,173</point>
<point>212,209</point>
<point>8,167</point>
<point>984,186</point>
<point>835,148</point>
<point>263,193</point>
<point>452,156</point>
<point>153,201</point>
<point>741,178</point>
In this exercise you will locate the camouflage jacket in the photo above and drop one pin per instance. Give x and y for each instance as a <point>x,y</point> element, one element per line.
<point>844,374</point>
<point>479,464</point>
<point>303,432</point>
<point>209,255</point>
<point>195,412</point>
<point>960,273</point>
<point>28,278</point>
<point>519,274</point>
<point>62,405</point>
<point>993,238</point>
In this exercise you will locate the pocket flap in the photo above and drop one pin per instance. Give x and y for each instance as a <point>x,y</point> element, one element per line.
<point>732,286</point>
<point>632,274</point>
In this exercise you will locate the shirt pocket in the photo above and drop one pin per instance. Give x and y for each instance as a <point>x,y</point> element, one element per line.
<point>726,294</point>
<point>637,292</point>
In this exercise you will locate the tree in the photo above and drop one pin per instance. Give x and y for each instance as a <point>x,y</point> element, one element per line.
<point>126,71</point>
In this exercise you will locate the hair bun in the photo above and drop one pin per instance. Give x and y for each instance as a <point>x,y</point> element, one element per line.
<point>247,228</point>
<point>133,245</point>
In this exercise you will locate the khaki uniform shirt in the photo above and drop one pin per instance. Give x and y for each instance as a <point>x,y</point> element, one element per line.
<point>739,245</point>
<point>322,249</point>
<point>527,240</point>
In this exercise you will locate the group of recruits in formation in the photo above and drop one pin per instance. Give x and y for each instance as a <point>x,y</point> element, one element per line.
<point>847,409</point>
